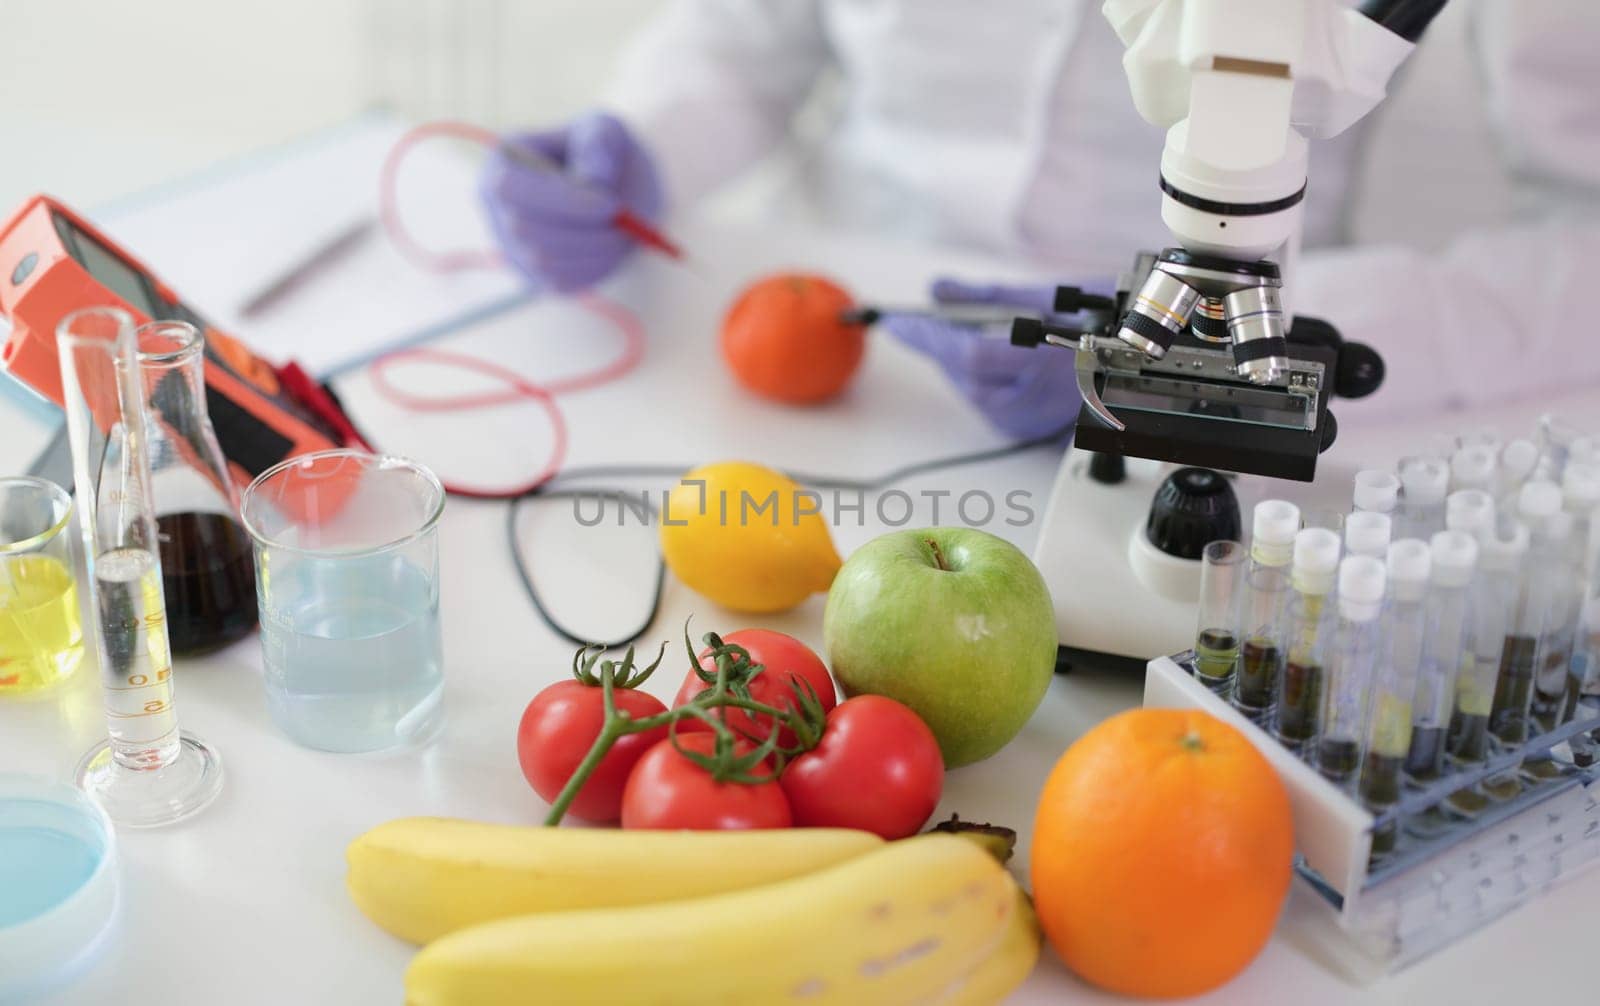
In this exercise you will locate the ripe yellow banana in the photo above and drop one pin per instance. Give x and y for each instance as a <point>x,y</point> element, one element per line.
<point>422,877</point>
<point>899,925</point>
<point>1008,966</point>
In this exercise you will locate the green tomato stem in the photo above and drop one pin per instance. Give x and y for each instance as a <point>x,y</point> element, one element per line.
<point>733,669</point>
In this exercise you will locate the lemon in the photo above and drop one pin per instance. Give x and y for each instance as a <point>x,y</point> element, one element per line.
<point>747,537</point>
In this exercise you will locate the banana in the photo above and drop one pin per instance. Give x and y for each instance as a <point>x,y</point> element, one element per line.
<point>422,877</point>
<point>898,925</point>
<point>1008,966</point>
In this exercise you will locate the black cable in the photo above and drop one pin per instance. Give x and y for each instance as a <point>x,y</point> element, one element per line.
<point>1406,18</point>
<point>527,578</point>
<point>549,490</point>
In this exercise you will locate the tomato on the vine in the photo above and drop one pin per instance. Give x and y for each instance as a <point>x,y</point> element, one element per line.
<point>668,790</point>
<point>876,768</point>
<point>560,726</point>
<point>786,660</point>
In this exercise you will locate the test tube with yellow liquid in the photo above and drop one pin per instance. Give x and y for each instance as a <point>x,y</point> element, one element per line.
<point>41,634</point>
<point>147,772</point>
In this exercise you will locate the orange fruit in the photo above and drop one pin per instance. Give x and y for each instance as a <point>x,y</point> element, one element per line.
<point>783,338</point>
<point>1162,853</point>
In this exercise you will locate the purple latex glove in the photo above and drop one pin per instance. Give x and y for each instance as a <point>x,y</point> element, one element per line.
<point>1024,393</point>
<point>555,226</point>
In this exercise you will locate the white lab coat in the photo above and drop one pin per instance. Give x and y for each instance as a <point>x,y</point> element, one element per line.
<point>1008,125</point>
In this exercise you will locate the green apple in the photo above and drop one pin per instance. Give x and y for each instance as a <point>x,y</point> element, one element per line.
<point>952,621</point>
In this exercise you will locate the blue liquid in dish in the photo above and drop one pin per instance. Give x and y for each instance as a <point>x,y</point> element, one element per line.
<point>351,651</point>
<point>41,867</point>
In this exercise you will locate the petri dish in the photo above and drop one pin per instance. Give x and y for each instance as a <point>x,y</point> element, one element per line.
<point>58,869</point>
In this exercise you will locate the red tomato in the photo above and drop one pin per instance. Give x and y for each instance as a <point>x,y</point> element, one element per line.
<point>785,659</point>
<point>559,727</point>
<point>667,790</point>
<point>877,768</point>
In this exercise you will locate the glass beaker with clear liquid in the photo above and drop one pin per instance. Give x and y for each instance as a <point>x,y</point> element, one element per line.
<point>347,572</point>
<point>207,575</point>
<point>147,772</point>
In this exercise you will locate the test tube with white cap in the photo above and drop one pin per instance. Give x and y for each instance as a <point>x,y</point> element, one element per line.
<point>1394,683</point>
<point>1586,676</point>
<point>1446,655</point>
<point>1502,552</point>
<point>1471,511</point>
<point>1375,490</point>
<point>1310,626</point>
<point>1556,437</point>
<point>1350,667</point>
<point>1223,565</point>
<point>1367,532</point>
<point>1580,496</point>
<point>1423,484</point>
<point>1474,467</point>
<point>1518,461</point>
<point>1558,568</point>
<point>1511,716</point>
<point>1439,446</point>
<point>1585,449</point>
<point>1274,524</point>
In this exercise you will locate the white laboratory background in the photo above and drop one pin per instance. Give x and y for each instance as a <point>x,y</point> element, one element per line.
<point>106,99</point>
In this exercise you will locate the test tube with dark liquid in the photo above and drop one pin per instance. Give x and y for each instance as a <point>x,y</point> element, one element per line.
<point>1312,577</point>
<point>1395,677</point>
<point>1557,626</point>
<point>1586,677</point>
<point>1545,566</point>
<point>1446,656</point>
<point>1580,496</point>
<point>1216,647</point>
<point>1495,588</point>
<point>1350,667</point>
<point>1273,527</point>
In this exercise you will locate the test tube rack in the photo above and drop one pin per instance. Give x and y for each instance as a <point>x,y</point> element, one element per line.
<point>1429,892</point>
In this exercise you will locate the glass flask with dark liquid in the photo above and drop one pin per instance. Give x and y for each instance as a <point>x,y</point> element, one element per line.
<point>208,575</point>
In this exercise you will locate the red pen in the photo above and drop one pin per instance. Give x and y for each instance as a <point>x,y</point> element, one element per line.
<point>624,220</point>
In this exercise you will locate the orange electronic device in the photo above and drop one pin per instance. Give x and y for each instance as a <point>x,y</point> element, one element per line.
<point>53,262</point>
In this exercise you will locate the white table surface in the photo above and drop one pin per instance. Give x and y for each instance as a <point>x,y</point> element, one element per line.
<point>245,903</point>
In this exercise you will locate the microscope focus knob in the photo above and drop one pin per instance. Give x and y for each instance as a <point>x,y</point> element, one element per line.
<point>1192,507</point>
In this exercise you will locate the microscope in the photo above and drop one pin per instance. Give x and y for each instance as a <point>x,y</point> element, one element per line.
<point>1198,360</point>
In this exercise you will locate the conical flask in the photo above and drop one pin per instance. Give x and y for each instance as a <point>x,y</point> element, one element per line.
<point>206,566</point>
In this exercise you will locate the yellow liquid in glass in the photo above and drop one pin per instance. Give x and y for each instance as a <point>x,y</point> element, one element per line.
<point>41,636</point>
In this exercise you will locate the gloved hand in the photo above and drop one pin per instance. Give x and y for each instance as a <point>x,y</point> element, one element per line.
<point>555,226</point>
<point>1024,393</point>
